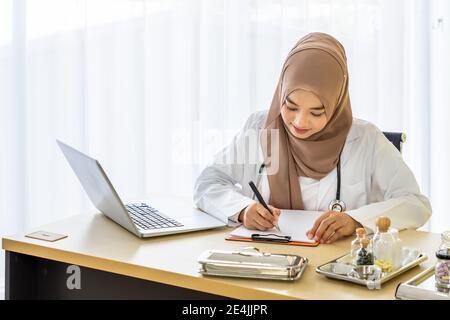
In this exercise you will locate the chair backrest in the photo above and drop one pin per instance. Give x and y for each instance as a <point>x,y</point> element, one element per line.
<point>397,138</point>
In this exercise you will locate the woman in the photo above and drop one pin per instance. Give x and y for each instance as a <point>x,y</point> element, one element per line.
<point>307,141</point>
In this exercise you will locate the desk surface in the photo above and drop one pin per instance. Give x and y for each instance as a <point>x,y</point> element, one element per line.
<point>95,241</point>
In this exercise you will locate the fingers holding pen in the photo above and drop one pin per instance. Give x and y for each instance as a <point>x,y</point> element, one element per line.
<point>256,216</point>
<point>275,212</point>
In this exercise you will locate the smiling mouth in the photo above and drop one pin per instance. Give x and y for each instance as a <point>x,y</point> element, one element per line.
<point>300,131</point>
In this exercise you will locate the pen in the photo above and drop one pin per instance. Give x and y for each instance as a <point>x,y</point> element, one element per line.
<point>261,200</point>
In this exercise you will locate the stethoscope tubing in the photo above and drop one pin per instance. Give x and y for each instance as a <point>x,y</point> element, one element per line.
<point>335,205</point>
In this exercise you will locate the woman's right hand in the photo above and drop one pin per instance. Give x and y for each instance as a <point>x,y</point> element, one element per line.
<point>256,217</point>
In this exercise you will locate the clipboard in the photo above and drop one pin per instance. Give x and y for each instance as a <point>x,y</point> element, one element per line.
<point>294,223</point>
<point>274,239</point>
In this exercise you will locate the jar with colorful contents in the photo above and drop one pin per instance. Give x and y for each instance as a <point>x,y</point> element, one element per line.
<point>442,269</point>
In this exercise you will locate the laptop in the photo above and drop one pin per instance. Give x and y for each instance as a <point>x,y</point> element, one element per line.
<point>141,218</point>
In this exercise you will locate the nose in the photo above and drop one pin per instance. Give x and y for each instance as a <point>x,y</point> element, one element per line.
<point>301,120</point>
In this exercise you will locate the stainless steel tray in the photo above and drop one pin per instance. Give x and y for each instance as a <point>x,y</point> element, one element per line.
<point>252,263</point>
<point>422,287</point>
<point>342,269</point>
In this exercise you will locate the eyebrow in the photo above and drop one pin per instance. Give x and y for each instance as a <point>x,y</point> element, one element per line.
<point>292,102</point>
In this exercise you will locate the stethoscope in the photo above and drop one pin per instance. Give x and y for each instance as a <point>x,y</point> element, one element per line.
<point>335,205</point>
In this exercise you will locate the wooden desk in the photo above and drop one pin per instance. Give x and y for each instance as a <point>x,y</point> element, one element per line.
<point>116,264</point>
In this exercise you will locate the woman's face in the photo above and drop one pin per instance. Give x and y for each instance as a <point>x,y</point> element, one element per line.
<point>303,113</point>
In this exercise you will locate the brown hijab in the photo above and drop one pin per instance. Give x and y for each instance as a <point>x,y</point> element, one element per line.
<point>317,64</point>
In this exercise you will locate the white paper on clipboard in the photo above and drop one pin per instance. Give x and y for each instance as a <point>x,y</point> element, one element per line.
<point>293,223</point>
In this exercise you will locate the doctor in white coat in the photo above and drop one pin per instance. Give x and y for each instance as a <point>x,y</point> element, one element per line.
<point>308,152</point>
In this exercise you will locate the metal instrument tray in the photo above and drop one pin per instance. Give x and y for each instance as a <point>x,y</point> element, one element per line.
<point>252,263</point>
<point>369,276</point>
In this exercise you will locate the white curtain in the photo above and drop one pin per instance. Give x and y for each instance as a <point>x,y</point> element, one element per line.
<point>152,88</point>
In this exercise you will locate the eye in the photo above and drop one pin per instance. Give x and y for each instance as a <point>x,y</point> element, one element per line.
<point>290,108</point>
<point>317,114</point>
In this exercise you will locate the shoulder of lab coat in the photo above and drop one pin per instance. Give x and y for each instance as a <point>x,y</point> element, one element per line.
<point>402,200</point>
<point>218,189</point>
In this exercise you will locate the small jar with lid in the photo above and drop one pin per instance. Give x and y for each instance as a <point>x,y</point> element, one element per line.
<point>364,255</point>
<point>385,248</point>
<point>442,268</point>
<point>355,245</point>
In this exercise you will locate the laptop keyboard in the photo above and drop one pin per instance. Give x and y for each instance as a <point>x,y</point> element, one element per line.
<point>148,218</point>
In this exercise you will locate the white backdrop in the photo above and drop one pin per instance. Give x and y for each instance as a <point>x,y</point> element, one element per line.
<point>152,88</point>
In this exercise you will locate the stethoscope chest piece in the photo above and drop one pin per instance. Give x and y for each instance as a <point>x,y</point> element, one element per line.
<point>337,205</point>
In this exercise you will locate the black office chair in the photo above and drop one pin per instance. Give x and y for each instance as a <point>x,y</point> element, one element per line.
<point>397,138</point>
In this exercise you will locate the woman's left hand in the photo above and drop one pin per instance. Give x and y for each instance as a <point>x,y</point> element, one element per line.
<point>331,226</point>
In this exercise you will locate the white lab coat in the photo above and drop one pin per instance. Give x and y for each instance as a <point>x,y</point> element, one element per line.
<point>375,180</point>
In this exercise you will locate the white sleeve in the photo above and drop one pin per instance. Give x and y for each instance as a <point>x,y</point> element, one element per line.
<point>235,218</point>
<point>403,203</point>
<point>217,189</point>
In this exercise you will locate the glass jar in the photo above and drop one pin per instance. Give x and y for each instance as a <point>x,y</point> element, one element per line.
<point>398,249</point>
<point>442,268</point>
<point>364,255</point>
<point>384,246</point>
<point>355,245</point>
